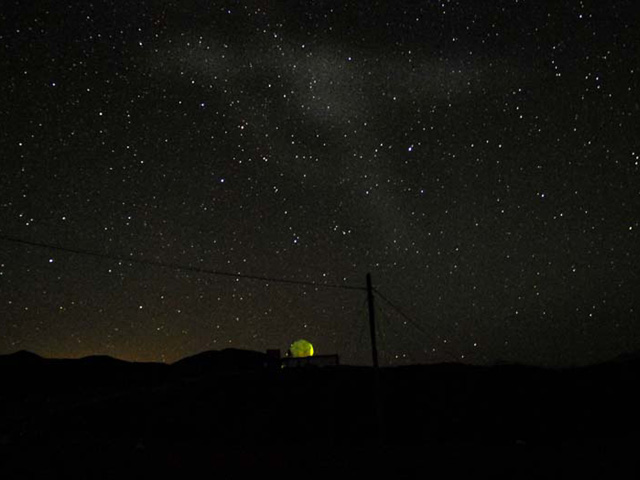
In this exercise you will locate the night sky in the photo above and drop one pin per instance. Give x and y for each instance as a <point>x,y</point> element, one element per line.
<point>480,159</point>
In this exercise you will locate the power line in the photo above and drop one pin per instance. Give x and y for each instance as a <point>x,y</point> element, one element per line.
<point>173,266</point>
<point>392,334</point>
<point>411,321</point>
<point>397,309</point>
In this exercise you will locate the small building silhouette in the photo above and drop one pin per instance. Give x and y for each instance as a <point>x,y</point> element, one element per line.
<point>275,360</point>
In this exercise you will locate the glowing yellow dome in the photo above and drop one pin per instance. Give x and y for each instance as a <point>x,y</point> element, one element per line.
<point>301,348</point>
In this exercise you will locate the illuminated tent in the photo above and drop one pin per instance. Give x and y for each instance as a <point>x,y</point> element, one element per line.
<point>301,348</point>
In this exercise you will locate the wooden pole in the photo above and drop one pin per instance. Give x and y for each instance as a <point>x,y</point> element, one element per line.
<point>372,322</point>
<point>377,397</point>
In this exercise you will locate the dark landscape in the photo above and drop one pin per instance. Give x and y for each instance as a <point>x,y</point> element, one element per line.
<point>434,205</point>
<point>234,411</point>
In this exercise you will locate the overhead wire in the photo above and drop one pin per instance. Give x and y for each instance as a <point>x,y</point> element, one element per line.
<point>174,266</point>
<point>205,271</point>
<point>413,322</point>
<point>388,333</point>
<point>399,310</point>
<point>398,333</point>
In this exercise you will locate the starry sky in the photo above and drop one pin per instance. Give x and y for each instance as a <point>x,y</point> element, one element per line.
<point>480,159</point>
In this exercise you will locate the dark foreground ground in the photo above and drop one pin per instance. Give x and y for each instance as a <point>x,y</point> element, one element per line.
<point>227,414</point>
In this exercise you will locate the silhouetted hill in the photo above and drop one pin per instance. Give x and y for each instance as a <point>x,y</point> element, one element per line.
<point>214,361</point>
<point>103,360</point>
<point>627,357</point>
<point>22,357</point>
<point>227,401</point>
<point>54,380</point>
<point>25,358</point>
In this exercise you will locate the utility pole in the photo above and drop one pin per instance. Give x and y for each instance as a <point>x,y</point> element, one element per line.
<point>372,322</point>
<point>377,397</point>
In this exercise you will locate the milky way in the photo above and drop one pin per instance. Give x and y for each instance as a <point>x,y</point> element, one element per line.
<point>481,161</point>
